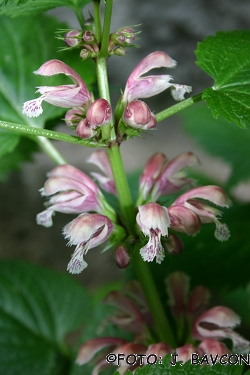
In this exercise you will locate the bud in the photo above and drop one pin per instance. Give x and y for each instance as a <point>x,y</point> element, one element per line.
<point>73,38</point>
<point>137,114</point>
<point>119,51</point>
<point>87,52</point>
<point>173,244</point>
<point>99,113</point>
<point>89,37</point>
<point>184,220</point>
<point>85,130</point>
<point>121,257</point>
<point>73,117</point>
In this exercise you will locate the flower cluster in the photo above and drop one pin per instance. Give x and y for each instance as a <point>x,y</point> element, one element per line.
<point>71,191</point>
<point>204,330</point>
<point>86,115</point>
<point>185,214</point>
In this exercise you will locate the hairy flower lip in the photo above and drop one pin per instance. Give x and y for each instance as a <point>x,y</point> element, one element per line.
<point>65,96</point>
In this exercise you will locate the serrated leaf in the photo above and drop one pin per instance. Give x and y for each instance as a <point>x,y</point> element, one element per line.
<point>16,8</point>
<point>220,139</point>
<point>38,308</point>
<point>226,58</point>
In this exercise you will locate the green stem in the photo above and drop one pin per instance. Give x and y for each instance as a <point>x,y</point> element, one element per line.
<point>161,322</point>
<point>98,26</point>
<point>178,107</point>
<point>33,131</point>
<point>122,187</point>
<point>106,28</point>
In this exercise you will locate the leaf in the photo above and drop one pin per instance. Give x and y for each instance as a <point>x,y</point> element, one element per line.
<point>8,141</point>
<point>220,139</point>
<point>187,368</point>
<point>15,8</point>
<point>226,58</point>
<point>38,308</point>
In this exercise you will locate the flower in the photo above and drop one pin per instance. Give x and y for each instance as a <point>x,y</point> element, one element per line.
<point>101,160</point>
<point>153,220</point>
<point>207,213</point>
<point>147,86</point>
<point>66,96</point>
<point>86,231</point>
<point>70,191</point>
<point>216,323</point>
<point>121,257</point>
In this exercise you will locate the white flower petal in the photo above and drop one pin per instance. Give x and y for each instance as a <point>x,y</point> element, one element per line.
<point>77,263</point>
<point>33,108</point>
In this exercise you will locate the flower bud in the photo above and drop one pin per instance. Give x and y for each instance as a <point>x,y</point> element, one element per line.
<point>184,220</point>
<point>86,53</point>
<point>99,113</point>
<point>121,257</point>
<point>173,244</point>
<point>85,130</point>
<point>73,38</point>
<point>119,51</point>
<point>137,114</point>
<point>89,37</point>
<point>73,117</point>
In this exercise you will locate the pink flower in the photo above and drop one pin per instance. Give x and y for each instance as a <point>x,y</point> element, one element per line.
<point>66,96</point>
<point>150,173</point>
<point>217,323</point>
<point>86,231</point>
<point>139,86</point>
<point>101,160</point>
<point>171,179</point>
<point>207,213</point>
<point>69,191</point>
<point>153,220</point>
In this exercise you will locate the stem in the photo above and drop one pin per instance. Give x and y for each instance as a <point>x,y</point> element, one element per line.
<point>50,150</point>
<point>178,107</point>
<point>122,187</point>
<point>98,26</point>
<point>33,131</point>
<point>106,28</point>
<point>161,322</point>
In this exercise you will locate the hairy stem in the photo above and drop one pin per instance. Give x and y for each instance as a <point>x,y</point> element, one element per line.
<point>106,28</point>
<point>51,150</point>
<point>98,26</point>
<point>161,323</point>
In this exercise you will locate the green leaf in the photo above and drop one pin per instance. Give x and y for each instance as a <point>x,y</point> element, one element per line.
<point>38,308</point>
<point>8,141</point>
<point>226,58</point>
<point>220,139</point>
<point>31,7</point>
<point>186,369</point>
